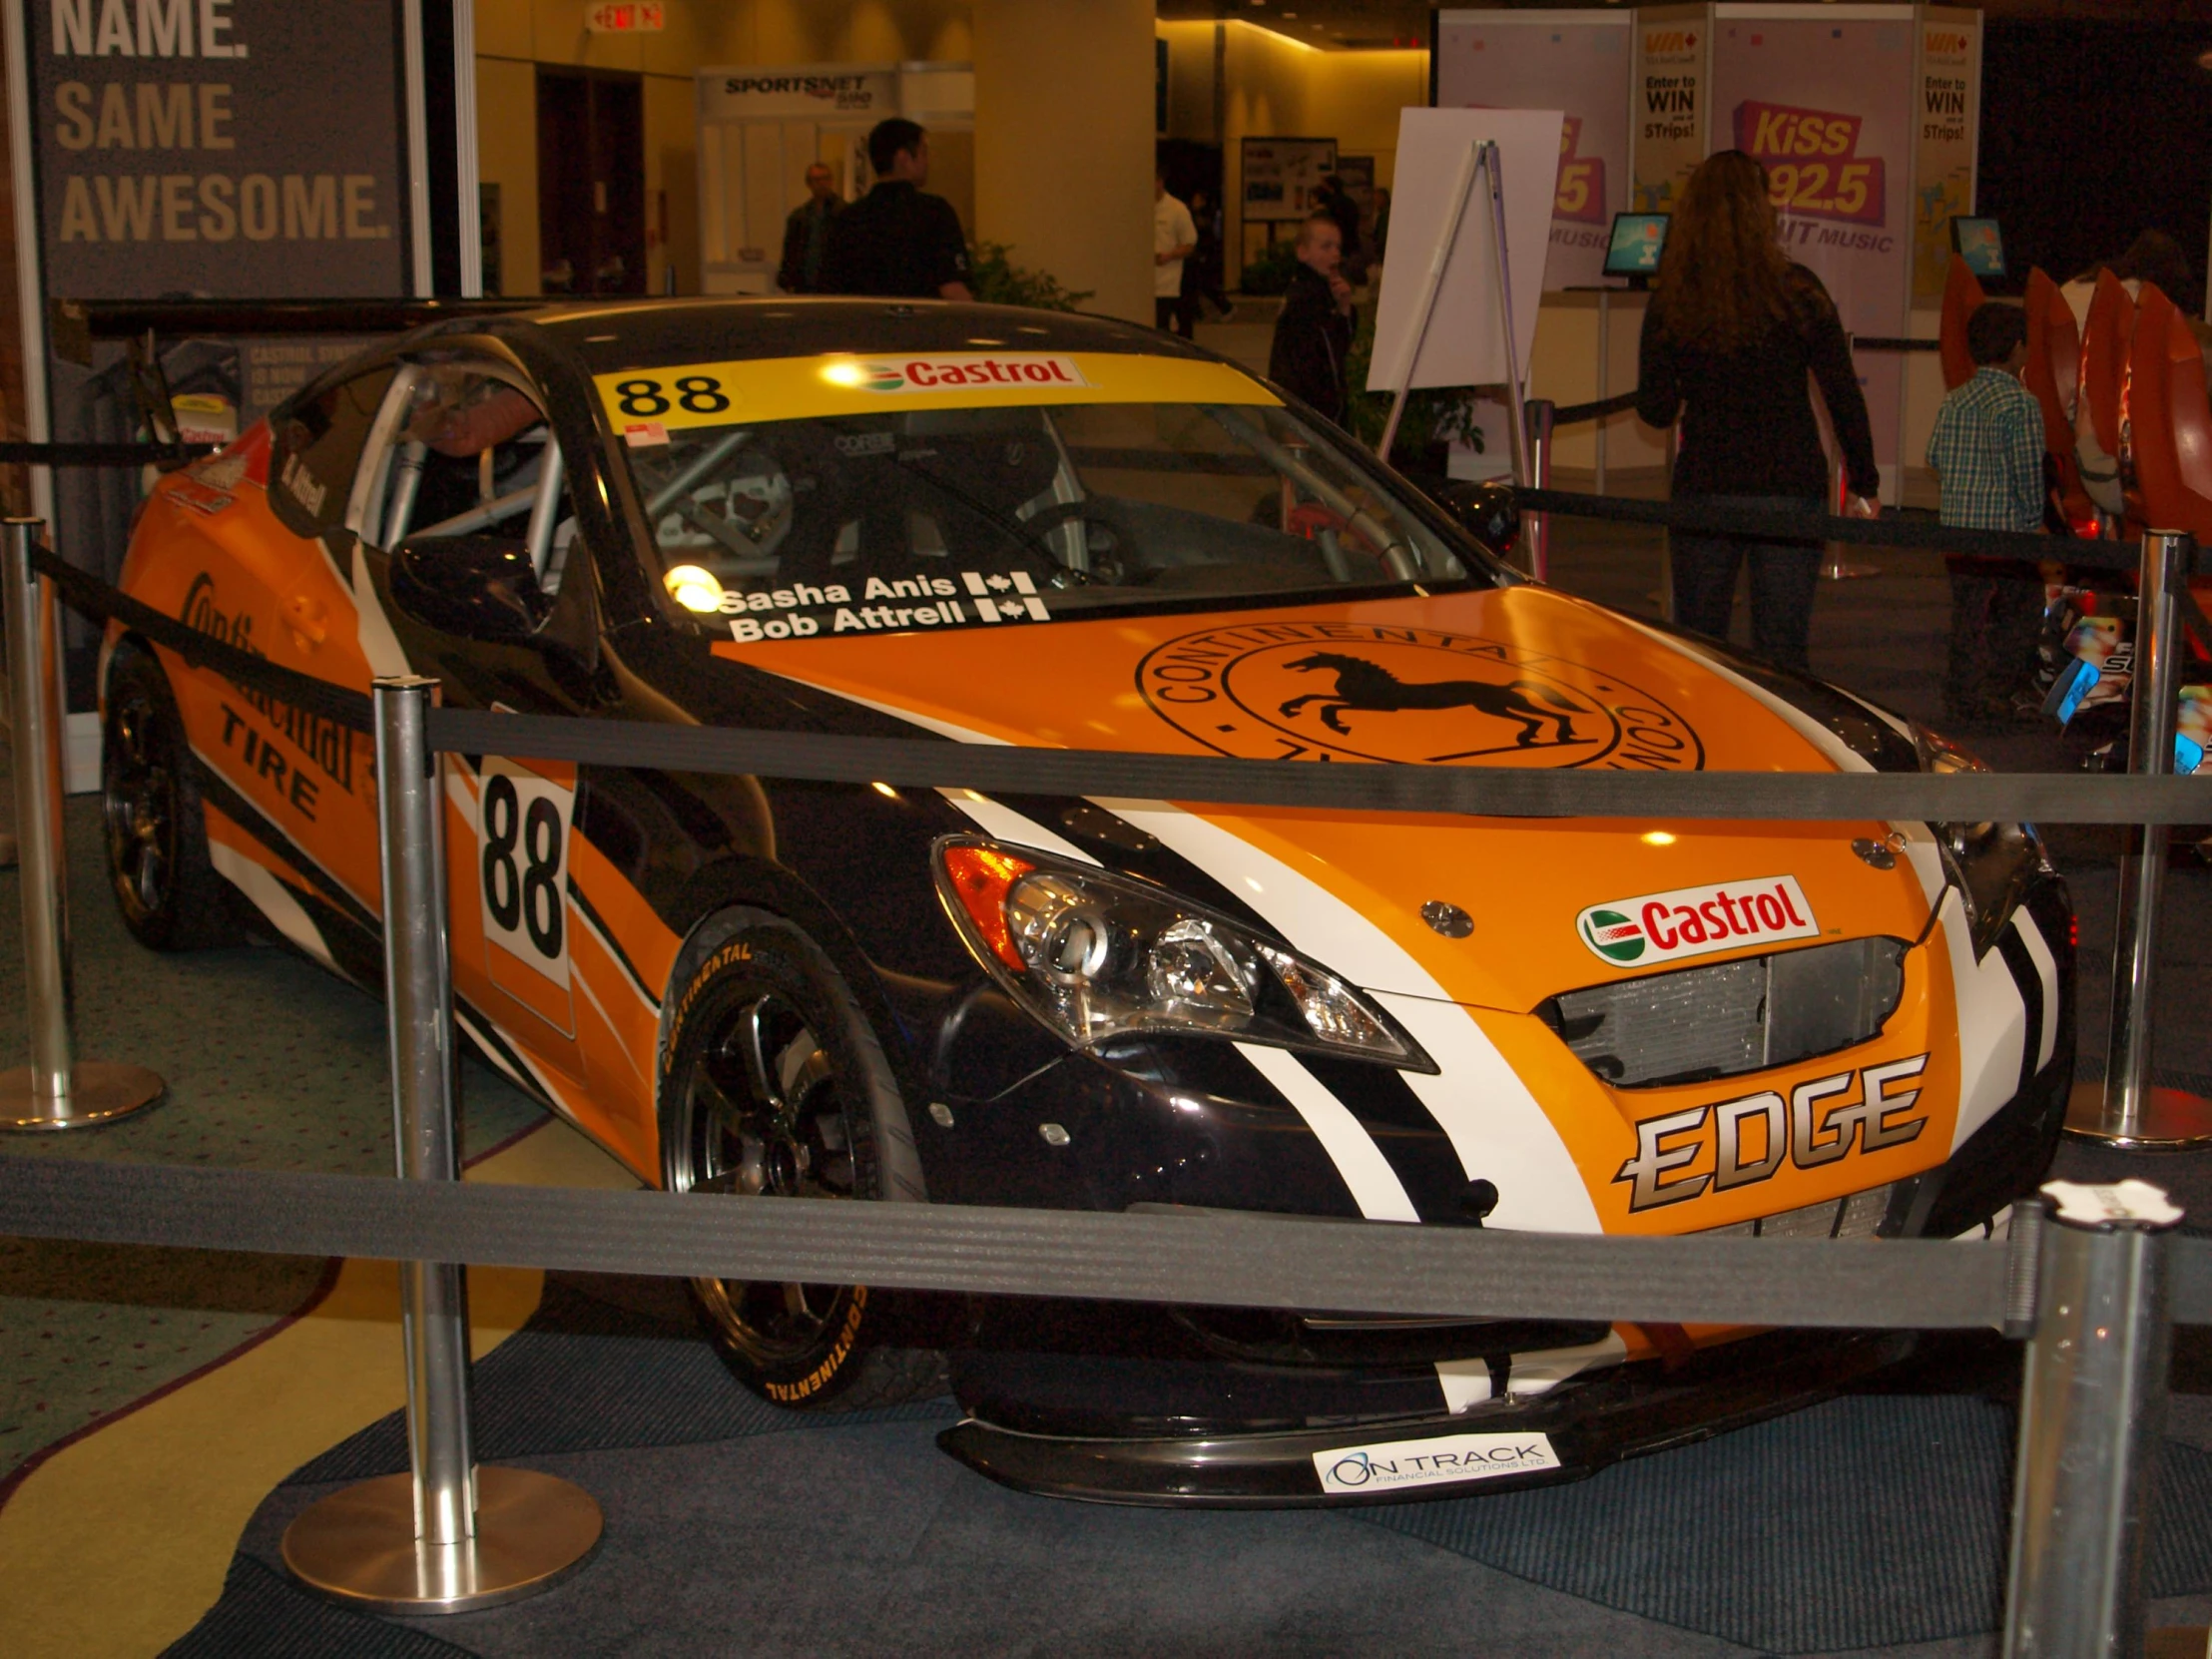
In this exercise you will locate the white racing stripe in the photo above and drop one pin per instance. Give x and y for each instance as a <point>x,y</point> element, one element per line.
<point>1993,1023</point>
<point>1375,1186</point>
<point>1003,824</point>
<point>1479,1101</point>
<point>2047,970</point>
<point>272,898</point>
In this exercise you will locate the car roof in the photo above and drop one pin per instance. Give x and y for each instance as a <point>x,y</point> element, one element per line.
<point>649,333</point>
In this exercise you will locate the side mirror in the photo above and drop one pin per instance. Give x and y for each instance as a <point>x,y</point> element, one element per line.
<point>1486,511</point>
<point>479,587</point>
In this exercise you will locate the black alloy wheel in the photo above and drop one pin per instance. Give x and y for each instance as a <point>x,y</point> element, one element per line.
<point>156,834</point>
<point>775,1086</point>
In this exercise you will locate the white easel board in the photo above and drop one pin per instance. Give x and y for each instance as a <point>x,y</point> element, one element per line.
<point>1465,346</point>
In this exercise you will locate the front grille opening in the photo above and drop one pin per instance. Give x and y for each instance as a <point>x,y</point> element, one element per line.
<point>1695,1024</point>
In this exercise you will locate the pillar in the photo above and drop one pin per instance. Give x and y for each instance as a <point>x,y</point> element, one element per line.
<point>1063,143</point>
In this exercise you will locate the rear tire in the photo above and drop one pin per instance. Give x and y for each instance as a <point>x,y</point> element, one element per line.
<point>153,825</point>
<point>773,1084</point>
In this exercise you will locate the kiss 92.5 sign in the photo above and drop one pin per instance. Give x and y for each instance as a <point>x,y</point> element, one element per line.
<point>1814,169</point>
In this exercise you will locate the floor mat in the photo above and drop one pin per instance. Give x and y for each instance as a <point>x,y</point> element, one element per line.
<point>263,1615</point>
<point>588,1375</point>
<point>1861,1522</point>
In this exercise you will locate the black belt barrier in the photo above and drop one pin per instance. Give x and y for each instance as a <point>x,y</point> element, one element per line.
<point>1568,414</point>
<point>101,454</point>
<point>1238,1259</point>
<point>929,763</point>
<point>1228,1259</point>
<point>1890,530</point>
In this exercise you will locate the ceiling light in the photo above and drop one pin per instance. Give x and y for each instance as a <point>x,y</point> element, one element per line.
<point>1657,838</point>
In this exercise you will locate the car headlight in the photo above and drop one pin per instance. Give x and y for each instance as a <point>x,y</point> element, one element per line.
<point>1991,864</point>
<point>1095,956</point>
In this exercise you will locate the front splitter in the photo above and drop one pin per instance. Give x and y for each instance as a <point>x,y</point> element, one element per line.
<point>1637,1409</point>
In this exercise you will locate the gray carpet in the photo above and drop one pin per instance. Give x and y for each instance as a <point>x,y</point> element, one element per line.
<point>1876,1522</point>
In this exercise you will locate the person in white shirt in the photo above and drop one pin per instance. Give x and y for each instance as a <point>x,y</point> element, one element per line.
<point>1174,239</point>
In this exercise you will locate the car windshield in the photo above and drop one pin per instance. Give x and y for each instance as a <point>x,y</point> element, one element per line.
<point>955,517</point>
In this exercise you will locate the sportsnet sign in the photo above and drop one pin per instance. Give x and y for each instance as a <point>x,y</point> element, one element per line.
<point>1696,922</point>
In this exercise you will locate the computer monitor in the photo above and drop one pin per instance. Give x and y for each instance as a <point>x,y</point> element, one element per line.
<point>1981,243</point>
<point>1634,248</point>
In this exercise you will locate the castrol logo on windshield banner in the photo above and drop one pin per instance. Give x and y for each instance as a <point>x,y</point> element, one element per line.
<point>1696,922</point>
<point>965,372</point>
<point>1814,169</point>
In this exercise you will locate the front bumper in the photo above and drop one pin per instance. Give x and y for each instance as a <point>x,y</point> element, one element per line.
<point>1091,1403</point>
<point>1620,1413</point>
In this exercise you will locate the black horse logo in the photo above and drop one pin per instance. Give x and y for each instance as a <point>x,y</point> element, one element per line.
<point>1366,687</point>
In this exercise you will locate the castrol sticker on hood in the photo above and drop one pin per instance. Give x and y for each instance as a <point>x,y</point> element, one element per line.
<point>1696,922</point>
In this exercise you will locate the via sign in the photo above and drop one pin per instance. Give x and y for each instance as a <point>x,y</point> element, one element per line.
<point>626,17</point>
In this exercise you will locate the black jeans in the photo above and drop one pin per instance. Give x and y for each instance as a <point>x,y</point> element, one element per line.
<point>1997,617</point>
<point>1783,574</point>
<point>1173,312</point>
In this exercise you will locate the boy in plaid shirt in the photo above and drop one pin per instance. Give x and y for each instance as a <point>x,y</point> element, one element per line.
<point>1988,452</point>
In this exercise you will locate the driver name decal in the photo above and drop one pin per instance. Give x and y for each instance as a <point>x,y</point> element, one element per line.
<point>1354,691</point>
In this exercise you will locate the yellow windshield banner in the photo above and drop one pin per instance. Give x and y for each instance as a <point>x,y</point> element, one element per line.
<point>646,404</point>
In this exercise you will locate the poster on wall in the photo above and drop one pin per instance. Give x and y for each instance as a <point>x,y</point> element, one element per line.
<point>1576,61</point>
<point>1670,82</point>
<point>201,150</point>
<point>1281,176</point>
<point>1948,90</point>
<point>1824,96</point>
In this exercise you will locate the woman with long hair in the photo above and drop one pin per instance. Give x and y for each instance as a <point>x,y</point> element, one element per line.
<point>1733,332</point>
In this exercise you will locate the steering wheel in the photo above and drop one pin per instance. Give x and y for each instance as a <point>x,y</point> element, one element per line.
<point>1100,510</point>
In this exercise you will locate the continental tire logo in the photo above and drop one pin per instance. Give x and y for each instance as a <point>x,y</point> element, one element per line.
<point>819,1378</point>
<point>1340,691</point>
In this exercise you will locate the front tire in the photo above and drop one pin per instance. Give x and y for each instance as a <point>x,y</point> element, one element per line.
<point>153,825</point>
<point>772,1084</point>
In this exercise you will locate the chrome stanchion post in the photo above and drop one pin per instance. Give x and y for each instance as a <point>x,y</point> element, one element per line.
<point>2092,1408</point>
<point>2125,1109</point>
<point>56,1090</point>
<point>1536,527</point>
<point>447,1537</point>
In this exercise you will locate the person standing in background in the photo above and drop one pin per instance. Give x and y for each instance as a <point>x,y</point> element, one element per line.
<point>1174,239</point>
<point>1313,337</point>
<point>1202,271</point>
<point>807,233</point>
<point>896,242</point>
<point>1987,453</point>
<point>1733,331</point>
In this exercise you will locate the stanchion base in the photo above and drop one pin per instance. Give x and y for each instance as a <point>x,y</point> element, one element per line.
<point>99,1091</point>
<point>1841,570</point>
<point>358,1546</point>
<point>2172,1120</point>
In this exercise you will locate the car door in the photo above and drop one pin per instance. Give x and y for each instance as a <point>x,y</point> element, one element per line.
<point>470,467</point>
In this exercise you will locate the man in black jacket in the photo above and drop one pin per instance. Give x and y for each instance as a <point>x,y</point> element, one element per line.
<point>1313,337</point>
<point>898,242</point>
<point>807,233</point>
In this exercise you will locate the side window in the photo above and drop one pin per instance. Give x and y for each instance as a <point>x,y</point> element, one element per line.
<point>472,455</point>
<point>318,446</point>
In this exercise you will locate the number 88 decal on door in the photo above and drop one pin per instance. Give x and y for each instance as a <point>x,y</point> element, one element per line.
<point>523,812</point>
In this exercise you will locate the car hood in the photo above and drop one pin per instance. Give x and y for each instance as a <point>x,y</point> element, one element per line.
<point>1512,676</point>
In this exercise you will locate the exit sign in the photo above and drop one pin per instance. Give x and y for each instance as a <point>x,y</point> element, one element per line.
<point>626,17</point>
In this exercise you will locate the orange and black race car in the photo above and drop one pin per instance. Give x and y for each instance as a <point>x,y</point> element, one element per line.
<point>967,524</point>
